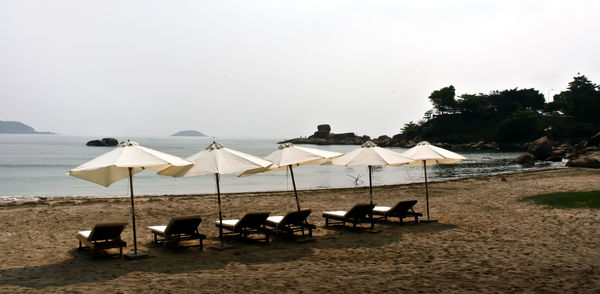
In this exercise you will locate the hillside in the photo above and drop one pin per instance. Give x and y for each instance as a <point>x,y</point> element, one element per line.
<point>15,127</point>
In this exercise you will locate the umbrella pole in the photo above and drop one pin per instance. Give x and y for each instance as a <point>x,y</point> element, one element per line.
<point>220,215</point>
<point>371,193</point>
<point>132,210</point>
<point>294,184</point>
<point>426,188</point>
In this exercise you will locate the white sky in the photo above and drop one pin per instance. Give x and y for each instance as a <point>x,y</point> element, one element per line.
<point>276,69</point>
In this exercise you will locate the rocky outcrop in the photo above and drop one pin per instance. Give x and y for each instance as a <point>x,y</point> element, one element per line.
<point>322,131</point>
<point>541,148</point>
<point>104,142</point>
<point>589,161</point>
<point>383,141</point>
<point>324,136</point>
<point>583,154</point>
<point>557,155</point>
<point>525,159</point>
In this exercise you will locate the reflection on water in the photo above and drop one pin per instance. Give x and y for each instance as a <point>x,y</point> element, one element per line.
<point>36,165</point>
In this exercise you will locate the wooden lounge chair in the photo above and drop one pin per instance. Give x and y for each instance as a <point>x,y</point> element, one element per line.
<point>401,210</point>
<point>251,223</point>
<point>357,214</point>
<point>291,223</point>
<point>181,228</point>
<point>103,236</point>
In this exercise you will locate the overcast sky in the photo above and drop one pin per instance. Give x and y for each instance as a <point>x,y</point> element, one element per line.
<point>276,69</point>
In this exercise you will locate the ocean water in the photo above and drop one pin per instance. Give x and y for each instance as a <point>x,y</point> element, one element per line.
<point>37,165</point>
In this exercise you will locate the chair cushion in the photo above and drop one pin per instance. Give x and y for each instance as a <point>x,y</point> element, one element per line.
<point>85,234</point>
<point>275,219</point>
<point>382,209</point>
<point>159,229</point>
<point>340,213</point>
<point>228,222</point>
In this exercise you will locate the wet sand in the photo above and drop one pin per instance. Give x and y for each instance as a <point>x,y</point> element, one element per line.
<point>486,240</point>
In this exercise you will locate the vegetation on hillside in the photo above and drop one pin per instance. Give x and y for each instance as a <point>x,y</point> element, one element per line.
<point>508,116</point>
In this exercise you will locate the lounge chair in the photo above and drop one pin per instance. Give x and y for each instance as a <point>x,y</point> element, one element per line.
<point>291,223</point>
<point>251,223</point>
<point>357,214</point>
<point>401,210</point>
<point>103,236</point>
<point>181,228</point>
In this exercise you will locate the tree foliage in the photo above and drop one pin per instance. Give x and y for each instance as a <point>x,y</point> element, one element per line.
<point>581,100</point>
<point>511,115</point>
<point>519,126</point>
<point>443,99</point>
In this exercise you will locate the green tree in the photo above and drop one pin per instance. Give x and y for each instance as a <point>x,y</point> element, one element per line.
<point>473,103</point>
<point>509,115</point>
<point>509,101</point>
<point>411,130</point>
<point>522,125</point>
<point>443,99</point>
<point>581,100</point>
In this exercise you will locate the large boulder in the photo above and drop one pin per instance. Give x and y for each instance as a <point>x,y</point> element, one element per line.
<point>584,161</point>
<point>111,141</point>
<point>323,131</point>
<point>557,155</point>
<point>104,142</point>
<point>383,141</point>
<point>541,148</point>
<point>96,143</point>
<point>325,128</point>
<point>525,159</point>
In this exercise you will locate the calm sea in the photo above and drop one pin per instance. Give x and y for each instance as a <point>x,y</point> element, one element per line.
<point>37,165</point>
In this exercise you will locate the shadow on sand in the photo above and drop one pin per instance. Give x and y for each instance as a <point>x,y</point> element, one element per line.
<point>81,268</point>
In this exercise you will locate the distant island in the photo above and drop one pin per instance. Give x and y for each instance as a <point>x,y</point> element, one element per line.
<point>15,127</point>
<point>188,133</point>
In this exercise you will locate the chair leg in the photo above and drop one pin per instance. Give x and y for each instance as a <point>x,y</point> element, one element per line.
<point>176,245</point>
<point>327,222</point>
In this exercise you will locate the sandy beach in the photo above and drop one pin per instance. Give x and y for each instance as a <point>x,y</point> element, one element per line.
<point>486,240</point>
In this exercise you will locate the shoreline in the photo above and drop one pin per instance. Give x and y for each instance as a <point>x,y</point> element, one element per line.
<point>33,198</point>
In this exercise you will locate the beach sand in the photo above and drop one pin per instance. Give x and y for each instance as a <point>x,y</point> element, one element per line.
<point>486,240</point>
